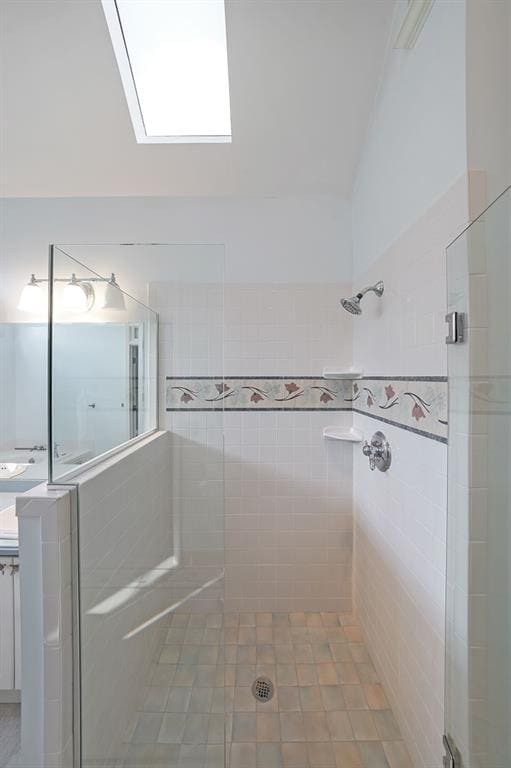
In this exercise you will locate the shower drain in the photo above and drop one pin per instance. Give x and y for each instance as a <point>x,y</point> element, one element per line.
<point>262,689</point>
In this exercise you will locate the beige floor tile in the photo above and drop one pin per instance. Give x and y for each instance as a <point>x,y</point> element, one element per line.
<point>264,619</point>
<point>363,725</point>
<point>246,635</point>
<point>196,729</point>
<point>327,674</point>
<point>353,634</point>
<point>339,726</point>
<point>264,635</point>
<point>367,673</point>
<point>268,727</point>
<point>247,620</point>
<point>303,653</point>
<point>179,700</point>
<point>397,754</point>
<point>216,729</point>
<point>292,727</point>
<point>245,674</point>
<point>372,754</point>
<point>155,699</point>
<point>243,755</point>
<point>307,674</point>
<point>310,698</point>
<point>244,700</point>
<point>313,620</point>
<point>295,755</point>
<point>375,696</point>
<point>330,619</point>
<point>316,728</point>
<point>282,635</point>
<point>332,697</point>
<point>297,619</point>
<point>285,654</point>
<point>269,755</point>
<point>147,728</point>
<point>286,674</point>
<point>347,673</point>
<point>231,620</point>
<point>265,654</point>
<point>321,755</point>
<point>280,619</point>
<point>386,725</point>
<point>172,729</point>
<point>246,654</point>
<point>354,697</point>
<point>215,756</point>
<point>336,635</point>
<point>321,652</point>
<point>170,654</point>
<point>340,652</point>
<point>289,700</point>
<point>359,654</point>
<point>347,755</point>
<point>244,727</point>
<point>214,620</point>
<point>201,700</point>
<point>347,619</point>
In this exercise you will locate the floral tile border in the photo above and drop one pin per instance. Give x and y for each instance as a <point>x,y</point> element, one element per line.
<point>270,393</point>
<point>416,404</point>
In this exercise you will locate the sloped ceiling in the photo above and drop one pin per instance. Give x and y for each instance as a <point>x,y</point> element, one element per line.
<point>303,76</point>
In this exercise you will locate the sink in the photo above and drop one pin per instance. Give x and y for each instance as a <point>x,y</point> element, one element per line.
<point>8,470</point>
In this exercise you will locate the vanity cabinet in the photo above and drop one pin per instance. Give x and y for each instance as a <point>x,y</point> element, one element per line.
<point>10,671</point>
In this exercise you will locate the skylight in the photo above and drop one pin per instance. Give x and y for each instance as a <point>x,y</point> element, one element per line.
<point>172,57</point>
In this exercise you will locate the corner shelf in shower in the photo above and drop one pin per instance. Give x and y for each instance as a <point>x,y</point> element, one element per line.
<point>350,435</point>
<point>336,373</point>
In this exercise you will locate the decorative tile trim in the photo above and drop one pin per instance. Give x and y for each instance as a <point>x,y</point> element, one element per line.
<point>416,404</point>
<point>269,393</point>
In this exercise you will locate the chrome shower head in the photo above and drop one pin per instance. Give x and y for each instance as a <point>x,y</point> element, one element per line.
<point>352,304</point>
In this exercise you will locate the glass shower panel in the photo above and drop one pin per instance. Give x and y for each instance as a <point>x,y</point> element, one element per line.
<point>478,617</point>
<point>102,364</point>
<point>150,523</point>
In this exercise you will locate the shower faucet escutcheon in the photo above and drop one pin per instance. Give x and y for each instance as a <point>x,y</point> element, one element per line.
<point>378,452</point>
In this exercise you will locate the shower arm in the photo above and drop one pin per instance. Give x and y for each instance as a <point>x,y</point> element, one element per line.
<point>377,288</point>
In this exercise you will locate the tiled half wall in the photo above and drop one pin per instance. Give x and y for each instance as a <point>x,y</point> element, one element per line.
<point>416,404</point>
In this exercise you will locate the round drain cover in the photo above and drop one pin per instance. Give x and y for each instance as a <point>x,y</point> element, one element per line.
<point>262,689</point>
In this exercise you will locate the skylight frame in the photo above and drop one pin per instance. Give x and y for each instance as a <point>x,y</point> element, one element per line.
<point>115,29</point>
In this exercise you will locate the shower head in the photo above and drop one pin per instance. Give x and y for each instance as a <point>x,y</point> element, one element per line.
<point>352,304</point>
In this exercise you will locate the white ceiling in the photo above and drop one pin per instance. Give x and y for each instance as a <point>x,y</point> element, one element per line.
<point>303,77</point>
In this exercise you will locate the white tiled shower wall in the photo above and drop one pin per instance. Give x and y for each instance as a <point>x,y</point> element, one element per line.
<point>288,527</point>
<point>400,516</point>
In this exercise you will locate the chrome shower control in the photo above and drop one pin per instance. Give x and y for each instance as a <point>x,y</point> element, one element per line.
<point>378,452</point>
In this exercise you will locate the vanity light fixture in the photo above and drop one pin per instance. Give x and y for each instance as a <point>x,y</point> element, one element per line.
<point>78,294</point>
<point>114,297</point>
<point>32,298</point>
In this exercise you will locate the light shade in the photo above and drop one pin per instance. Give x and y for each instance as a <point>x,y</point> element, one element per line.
<point>32,298</point>
<point>78,296</point>
<point>114,297</point>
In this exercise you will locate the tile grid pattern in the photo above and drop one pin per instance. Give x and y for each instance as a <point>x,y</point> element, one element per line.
<point>328,711</point>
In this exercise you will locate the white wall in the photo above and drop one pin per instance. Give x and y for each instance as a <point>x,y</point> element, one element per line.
<point>266,239</point>
<point>411,198</point>
<point>127,563</point>
<point>416,142</point>
<point>489,93</point>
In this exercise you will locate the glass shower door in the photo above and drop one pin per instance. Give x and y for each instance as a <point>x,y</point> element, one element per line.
<point>478,618</point>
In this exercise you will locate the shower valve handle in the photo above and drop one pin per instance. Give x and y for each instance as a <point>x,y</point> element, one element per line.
<point>378,452</point>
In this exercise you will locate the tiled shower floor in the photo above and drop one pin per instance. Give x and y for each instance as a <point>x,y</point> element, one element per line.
<point>328,709</point>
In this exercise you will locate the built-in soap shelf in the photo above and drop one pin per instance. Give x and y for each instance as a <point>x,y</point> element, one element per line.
<point>349,435</point>
<point>337,373</point>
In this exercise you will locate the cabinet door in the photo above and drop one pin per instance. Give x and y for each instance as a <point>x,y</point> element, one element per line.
<point>6,625</point>
<point>17,625</point>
